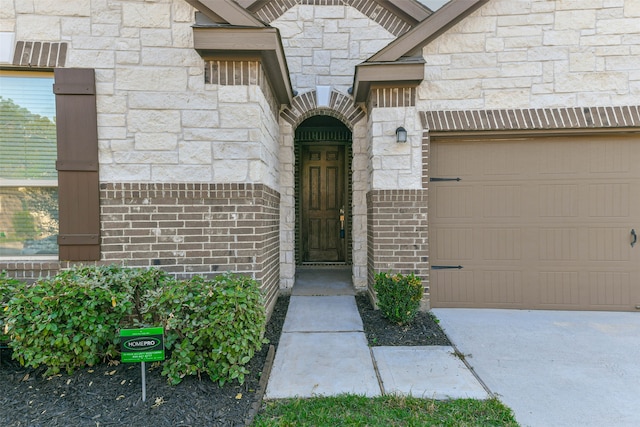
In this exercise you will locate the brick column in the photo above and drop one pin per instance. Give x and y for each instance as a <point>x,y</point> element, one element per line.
<point>397,233</point>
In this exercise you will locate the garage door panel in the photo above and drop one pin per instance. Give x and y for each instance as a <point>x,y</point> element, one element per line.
<point>502,160</point>
<point>609,156</point>
<point>555,288</point>
<point>456,287</point>
<point>457,161</point>
<point>454,243</point>
<point>457,202</point>
<point>562,160</point>
<point>608,244</point>
<point>609,288</point>
<point>502,244</point>
<point>558,244</point>
<point>537,223</point>
<point>502,201</point>
<point>558,200</point>
<point>502,287</point>
<point>609,200</point>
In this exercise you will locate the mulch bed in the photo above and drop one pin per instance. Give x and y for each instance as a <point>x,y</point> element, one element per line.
<point>111,395</point>
<point>423,330</point>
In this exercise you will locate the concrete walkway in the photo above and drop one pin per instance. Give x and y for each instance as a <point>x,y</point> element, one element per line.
<point>554,368</point>
<point>323,351</point>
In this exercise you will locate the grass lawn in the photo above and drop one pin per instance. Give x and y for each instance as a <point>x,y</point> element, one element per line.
<point>385,411</point>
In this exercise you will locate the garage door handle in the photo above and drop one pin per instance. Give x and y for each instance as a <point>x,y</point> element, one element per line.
<point>446,267</point>
<point>634,237</point>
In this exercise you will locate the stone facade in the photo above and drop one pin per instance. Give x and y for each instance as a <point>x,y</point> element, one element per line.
<point>536,54</point>
<point>323,44</point>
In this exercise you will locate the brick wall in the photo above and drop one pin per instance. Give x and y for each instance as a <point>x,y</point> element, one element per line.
<point>397,232</point>
<point>189,229</point>
<point>30,271</point>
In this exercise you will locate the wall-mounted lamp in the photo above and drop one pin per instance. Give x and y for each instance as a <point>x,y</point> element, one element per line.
<point>401,134</point>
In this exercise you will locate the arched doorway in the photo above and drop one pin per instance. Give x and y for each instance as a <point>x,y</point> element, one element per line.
<point>323,191</point>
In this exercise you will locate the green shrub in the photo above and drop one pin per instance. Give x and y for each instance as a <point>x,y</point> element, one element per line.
<point>72,320</point>
<point>211,326</point>
<point>398,296</point>
<point>8,287</point>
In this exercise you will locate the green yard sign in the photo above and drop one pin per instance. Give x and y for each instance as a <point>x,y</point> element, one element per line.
<point>142,345</point>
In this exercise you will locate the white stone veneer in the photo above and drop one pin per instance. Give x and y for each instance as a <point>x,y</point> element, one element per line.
<point>323,44</point>
<point>534,54</point>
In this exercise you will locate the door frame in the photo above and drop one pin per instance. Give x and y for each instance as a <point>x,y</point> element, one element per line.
<point>343,140</point>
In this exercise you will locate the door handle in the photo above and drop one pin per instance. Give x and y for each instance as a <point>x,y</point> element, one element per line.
<point>634,237</point>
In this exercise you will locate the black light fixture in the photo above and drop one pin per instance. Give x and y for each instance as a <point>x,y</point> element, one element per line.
<point>401,134</point>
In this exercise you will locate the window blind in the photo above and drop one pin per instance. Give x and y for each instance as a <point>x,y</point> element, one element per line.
<point>27,128</point>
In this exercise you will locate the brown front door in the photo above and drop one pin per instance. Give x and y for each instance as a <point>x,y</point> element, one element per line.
<point>322,178</point>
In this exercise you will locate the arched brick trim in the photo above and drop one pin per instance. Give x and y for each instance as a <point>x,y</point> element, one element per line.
<point>340,106</point>
<point>388,19</point>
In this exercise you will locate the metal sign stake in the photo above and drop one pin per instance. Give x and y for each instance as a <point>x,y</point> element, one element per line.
<point>144,383</point>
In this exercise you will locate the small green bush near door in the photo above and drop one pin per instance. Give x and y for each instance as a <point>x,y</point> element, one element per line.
<point>398,296</point>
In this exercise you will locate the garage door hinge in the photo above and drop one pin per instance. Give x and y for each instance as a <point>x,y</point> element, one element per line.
<point>444,179</point>
<point>446,267</point>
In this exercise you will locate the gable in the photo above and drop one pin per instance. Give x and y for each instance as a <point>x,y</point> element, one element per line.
<point>323,44</point>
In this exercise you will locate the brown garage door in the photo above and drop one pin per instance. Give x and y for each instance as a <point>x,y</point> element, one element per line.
<point>541,223</point>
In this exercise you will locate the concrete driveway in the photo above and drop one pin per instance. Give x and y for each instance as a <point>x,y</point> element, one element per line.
<point>554,368</point>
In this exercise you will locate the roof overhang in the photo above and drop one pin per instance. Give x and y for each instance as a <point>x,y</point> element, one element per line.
<point>412,42</point>
<point>409,72</point>
<point>263,42</point>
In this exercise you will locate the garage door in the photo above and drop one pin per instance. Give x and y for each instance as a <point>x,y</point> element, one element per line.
<point>545,223</point>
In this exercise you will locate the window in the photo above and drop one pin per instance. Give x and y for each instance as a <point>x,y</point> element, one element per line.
<point>28,177</point>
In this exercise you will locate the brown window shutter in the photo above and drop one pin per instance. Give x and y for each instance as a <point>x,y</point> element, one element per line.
<point>77,165</point>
